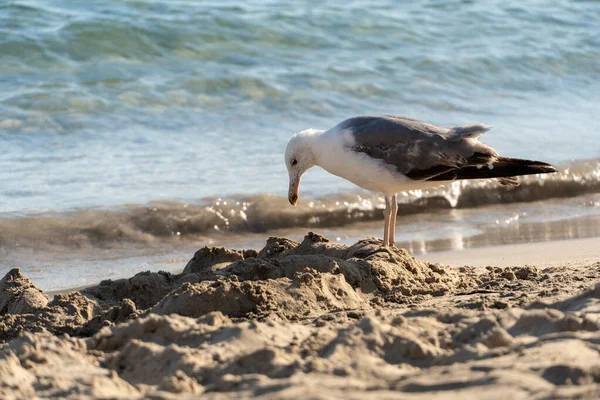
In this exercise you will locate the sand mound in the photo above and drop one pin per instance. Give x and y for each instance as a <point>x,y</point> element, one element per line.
<point>300,280</point>
<point>293,280</point>
<point>18,295</point>
<point>308,294</point>
<point>309,319</point>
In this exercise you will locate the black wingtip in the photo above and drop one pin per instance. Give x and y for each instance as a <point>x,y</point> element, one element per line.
<point>534,167</point>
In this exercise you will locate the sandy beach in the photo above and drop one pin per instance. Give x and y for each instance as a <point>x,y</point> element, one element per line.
<point>316,319</point>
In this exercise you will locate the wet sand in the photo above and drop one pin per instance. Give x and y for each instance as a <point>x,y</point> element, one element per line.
<point>557,253</point>
<point>317,319</point>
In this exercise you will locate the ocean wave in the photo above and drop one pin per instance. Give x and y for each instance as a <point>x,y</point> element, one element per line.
<point>261,51</point>
<point>171,220</point>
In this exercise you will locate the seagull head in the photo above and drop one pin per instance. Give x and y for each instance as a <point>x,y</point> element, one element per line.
<point>299,156</point>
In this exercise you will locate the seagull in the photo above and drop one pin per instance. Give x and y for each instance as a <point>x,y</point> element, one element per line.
<point>389,154</point>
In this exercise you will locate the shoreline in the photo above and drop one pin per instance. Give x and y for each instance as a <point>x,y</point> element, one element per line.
<point>83,256</point>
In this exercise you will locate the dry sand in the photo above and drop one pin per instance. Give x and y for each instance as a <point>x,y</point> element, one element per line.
<point>310,320</point>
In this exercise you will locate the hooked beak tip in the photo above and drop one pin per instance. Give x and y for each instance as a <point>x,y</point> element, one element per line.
<point>293,200</point>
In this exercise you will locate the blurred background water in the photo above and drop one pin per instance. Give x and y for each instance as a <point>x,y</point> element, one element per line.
<point>111,103</point>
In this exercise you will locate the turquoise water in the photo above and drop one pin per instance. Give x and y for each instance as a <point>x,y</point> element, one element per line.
<point>108,103</point>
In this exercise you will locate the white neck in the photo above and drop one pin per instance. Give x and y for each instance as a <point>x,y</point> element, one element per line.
<point>327,147</point>
<point>313,142</point>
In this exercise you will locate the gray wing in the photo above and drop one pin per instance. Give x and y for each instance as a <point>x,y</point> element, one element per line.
<point>417,148</point>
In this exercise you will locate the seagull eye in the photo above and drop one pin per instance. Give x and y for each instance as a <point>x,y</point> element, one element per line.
<point>294,162</point>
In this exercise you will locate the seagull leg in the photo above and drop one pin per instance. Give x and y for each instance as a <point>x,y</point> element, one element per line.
<point>386,223</point>
<point>393,214</point>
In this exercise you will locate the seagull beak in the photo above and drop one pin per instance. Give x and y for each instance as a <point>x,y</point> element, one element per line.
<point>293,192</point>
